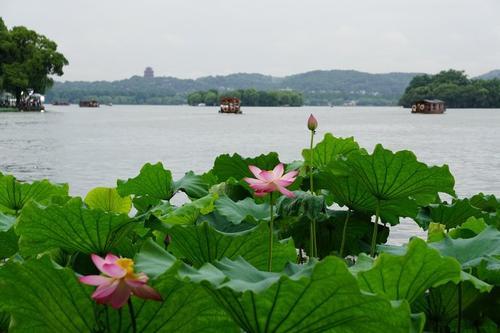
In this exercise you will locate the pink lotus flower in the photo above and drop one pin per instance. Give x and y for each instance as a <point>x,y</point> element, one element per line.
<point>271,181</point>
<point>118,282</point>
<point>312,123</point>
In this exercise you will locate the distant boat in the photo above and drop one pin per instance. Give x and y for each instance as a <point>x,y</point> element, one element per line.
<point>202,104</point>
<point>230,105</point>
<point>434,106</point>
<point>60,103</point>
<point>89,104</point>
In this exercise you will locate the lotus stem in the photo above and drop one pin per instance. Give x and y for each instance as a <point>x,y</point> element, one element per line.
<point>119,320</point>
<point>313,240</point>
<point>132,315</point>
<point>375,230</point>
<point>344,231</point>
<point>460,294</point>
<point>271,227</point>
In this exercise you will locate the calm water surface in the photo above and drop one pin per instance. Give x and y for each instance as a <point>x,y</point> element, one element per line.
<point>94,147</point>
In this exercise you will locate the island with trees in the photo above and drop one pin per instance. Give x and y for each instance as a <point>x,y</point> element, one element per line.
<point>28,61</point>
<point>321,87</point>
<point>248,97</point>
<point>455,89</point>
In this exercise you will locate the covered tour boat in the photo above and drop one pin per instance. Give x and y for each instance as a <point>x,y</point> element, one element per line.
<point>428,106</point>
<point>89,104</point>
<point>230,105</point>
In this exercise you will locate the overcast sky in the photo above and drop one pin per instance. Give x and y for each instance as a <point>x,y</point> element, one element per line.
<point>111,39</point>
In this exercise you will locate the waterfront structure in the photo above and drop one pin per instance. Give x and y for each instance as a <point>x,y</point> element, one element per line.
<point>428,106</point>
<point>149,73</point>
<point>89,104</point>
<point>230,105</point>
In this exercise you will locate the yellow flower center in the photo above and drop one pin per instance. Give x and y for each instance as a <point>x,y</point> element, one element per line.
<point>127,264</point>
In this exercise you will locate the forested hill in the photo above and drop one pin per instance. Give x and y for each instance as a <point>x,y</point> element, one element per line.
<point>335,87</point>
<point>495,74</point>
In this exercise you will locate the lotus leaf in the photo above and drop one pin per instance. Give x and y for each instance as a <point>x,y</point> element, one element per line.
<point>201,244</point>
<point>108,200</point>
<point>14,195</point>
<point>72,227</point>
<point>318,297</point>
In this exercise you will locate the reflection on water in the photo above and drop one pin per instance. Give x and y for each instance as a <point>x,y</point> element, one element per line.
<point>94,147</point>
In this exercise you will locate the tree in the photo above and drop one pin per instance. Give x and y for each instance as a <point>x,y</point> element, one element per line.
<point>28,60</point>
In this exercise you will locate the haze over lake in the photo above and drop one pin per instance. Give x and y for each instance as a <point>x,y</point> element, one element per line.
<point>94,147</point>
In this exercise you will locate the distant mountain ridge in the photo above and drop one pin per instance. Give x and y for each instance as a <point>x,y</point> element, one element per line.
<point>494,74</point>
<point>320,87</point>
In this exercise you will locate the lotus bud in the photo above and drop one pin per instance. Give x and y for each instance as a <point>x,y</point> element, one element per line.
<point>312,123</point>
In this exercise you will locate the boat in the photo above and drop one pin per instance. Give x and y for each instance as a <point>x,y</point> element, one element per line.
<point>60,103</point>
<point>89,104</point>
<point>230,105</point>
<point>33,102</point>
<point>433,106</point>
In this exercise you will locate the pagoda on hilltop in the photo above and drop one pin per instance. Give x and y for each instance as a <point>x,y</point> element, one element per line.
<point>148,73</point>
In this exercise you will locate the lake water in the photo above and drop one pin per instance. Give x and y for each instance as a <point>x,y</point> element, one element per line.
<point>94,147</point>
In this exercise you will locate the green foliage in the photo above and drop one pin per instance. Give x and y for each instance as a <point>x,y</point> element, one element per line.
<point>408,276</point>
<point>450,215</point>
<point>72,227</point>
<point>42,297</point>
<point>153,181</point>
<point>14,194</point>
<point>8,239</point>
<point>318,88</point>
<point>318,297</point>
<point>329,150</point>
<point>206,256</point>
<point>455,89</point>
<point>28,61</point>
<point>108,200</point>
<point>243,210</point>
<point>202,244</point>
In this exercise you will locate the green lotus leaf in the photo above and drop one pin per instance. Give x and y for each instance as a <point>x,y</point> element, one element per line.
<point>441,304</point>
<point>485,202</point>
<point>186,307</point>
<point>153,181</point>
<point>237,212</point>
<point>489,270</point>
<point>187,213</point>
<point>8,244</point>
<point>201,244</point>
<point>303,204</point>
<point>194,186</point>
<point>450,215</point>
<point>408,276</point>
<point>318,297</point>
<point>108,200</point>
<point>394,176</point>
<point>153,259</point>
<point>352,193</point>
<point>46,299</point>
<point>472,251</point>
<point>14,195</point>
<point>72,227</point>
<point>8,238</point>
<point>235,166</point>
<point>329,233</point>
<point>328,150</point>
<point>6,222</point>
<point>469,228</point>
<point>436,232</point>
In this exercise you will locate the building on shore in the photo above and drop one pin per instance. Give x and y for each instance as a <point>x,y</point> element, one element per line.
<point>149,73</point>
